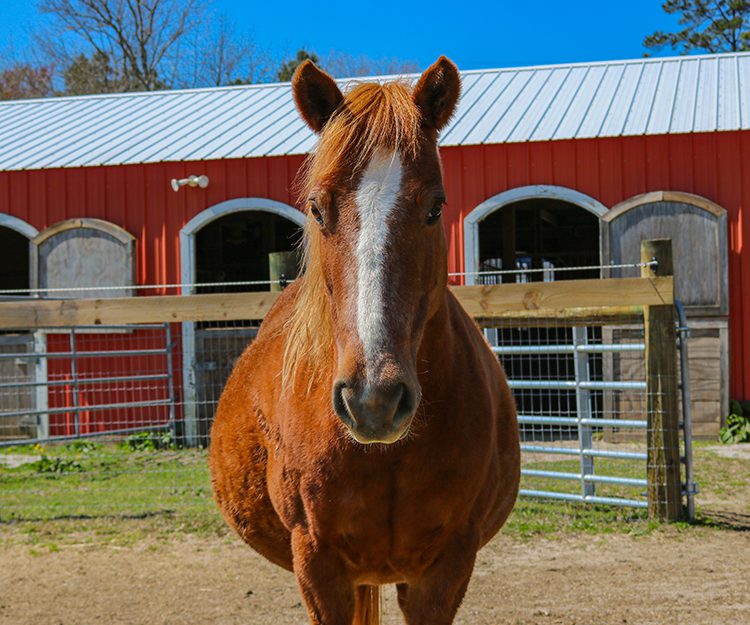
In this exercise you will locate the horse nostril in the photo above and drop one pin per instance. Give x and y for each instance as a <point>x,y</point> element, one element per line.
<point>406,404</point>
<point>340,405</point>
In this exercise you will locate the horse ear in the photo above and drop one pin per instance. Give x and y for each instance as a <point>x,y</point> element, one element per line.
<point>437,92</point>
<point>317,95</point>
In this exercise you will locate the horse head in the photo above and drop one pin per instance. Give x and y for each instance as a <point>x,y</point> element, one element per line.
<point>375,246</point>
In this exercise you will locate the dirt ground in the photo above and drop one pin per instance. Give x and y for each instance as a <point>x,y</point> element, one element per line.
<point>698,575</point>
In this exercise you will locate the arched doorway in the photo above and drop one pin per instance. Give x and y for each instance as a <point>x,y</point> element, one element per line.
<point>529,222</point>
<point>15,242</point>
<point>15,276</point>
<point>226,243</point>
<point>538,232</point>
<point>250,228</point>
<point>83,253</point>
<point>235,248</point>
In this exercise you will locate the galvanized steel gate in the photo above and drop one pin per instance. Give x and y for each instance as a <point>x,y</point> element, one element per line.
<point>82,373</point>
<point>572,435</point>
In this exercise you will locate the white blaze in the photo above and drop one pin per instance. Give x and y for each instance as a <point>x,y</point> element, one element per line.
<point>376,198</point>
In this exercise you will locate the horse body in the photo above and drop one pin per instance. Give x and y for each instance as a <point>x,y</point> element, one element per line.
<point>294,474</point>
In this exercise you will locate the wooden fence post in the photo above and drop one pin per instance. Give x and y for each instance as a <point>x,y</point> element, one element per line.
<point>282,266</point>
<point>664,484</point>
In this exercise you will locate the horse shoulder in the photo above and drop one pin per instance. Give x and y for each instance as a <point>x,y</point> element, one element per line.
<point>478,359</point>
<point>491,393</point>
<point>243,439</point>
<point>250,396</point>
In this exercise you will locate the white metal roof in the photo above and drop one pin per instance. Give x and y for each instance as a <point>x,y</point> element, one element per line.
<point>585,100</point>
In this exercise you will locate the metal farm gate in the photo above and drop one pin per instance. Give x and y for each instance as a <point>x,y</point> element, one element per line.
<point>581,400</point>
<point>86,381</point>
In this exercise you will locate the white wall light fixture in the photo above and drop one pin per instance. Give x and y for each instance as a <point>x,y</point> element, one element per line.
<point>190,181</point>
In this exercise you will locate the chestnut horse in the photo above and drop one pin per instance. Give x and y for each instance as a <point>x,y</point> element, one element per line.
<point>368,435</point>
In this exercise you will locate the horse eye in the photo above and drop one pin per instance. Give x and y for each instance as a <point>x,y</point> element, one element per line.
<point>436,211</point>
<point>317,216</point>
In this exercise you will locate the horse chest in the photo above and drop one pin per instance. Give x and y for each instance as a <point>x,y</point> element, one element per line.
<point>390,516</point>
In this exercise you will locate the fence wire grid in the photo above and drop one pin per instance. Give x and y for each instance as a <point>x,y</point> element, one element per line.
<point>116,420</point>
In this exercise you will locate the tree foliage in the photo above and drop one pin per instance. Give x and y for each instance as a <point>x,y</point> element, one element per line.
<point>286,71</point>
<point>343,65</point>
<point>340,64</point>
<point>23,80</point>
<point>708,26</point>
<point>92,75</point>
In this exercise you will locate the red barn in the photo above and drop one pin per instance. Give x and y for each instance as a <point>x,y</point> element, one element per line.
<point>566,165</point>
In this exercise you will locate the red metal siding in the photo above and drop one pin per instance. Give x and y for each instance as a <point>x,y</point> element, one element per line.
<point>138,197</point>
<point>715,166</point>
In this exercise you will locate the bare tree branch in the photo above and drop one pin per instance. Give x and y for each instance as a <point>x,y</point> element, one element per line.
<point>342,65</point>
<point>147,45</point>
<point>136,35</point>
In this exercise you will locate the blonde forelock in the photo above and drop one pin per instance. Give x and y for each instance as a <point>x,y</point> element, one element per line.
<point>372,117</point>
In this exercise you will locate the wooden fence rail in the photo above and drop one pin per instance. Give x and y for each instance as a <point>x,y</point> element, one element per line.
<point>570,298</point>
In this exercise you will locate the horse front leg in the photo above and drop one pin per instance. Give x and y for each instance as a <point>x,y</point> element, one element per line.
<point>323,581</point>
<point>434,598</point>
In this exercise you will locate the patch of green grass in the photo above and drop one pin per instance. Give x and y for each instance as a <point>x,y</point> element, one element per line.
<point>535,517</point>
<point>107,493</point>
<point>547,517</point>
<point>108,490</point>
<point>602,466</point>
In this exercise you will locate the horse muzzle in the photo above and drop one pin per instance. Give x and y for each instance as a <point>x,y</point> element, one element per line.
<point>376,414</point>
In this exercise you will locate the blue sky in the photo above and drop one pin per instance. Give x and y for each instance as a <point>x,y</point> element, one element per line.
<point>474,34</point>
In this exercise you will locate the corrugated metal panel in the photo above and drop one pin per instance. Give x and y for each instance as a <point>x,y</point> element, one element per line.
<point>705,109</point>
<point>743,88</point>
<point>483,94</point>
<point>664,97</point>
<point>683,113</point>
<point>644,101</point>
<point>592,103</point>
<point>622,98</point>
<point>553,116</point>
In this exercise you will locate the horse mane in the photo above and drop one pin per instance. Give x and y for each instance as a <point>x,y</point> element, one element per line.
<point>372,117</point>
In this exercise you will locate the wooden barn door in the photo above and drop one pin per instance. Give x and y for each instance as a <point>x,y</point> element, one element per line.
<point>698,229</point>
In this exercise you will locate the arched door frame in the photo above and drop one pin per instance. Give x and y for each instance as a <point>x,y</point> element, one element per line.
<point>212,213</point>
<point>497,202</point>
<point>712,317</point>
<point>19,225</point>
<point>117,232</point>
<point>679,197</point>
<point>188,279</point>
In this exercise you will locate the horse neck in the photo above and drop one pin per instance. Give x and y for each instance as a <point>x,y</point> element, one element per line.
<point>439,335</point>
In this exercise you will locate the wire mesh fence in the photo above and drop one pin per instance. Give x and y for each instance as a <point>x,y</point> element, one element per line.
<point>115,420</point>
